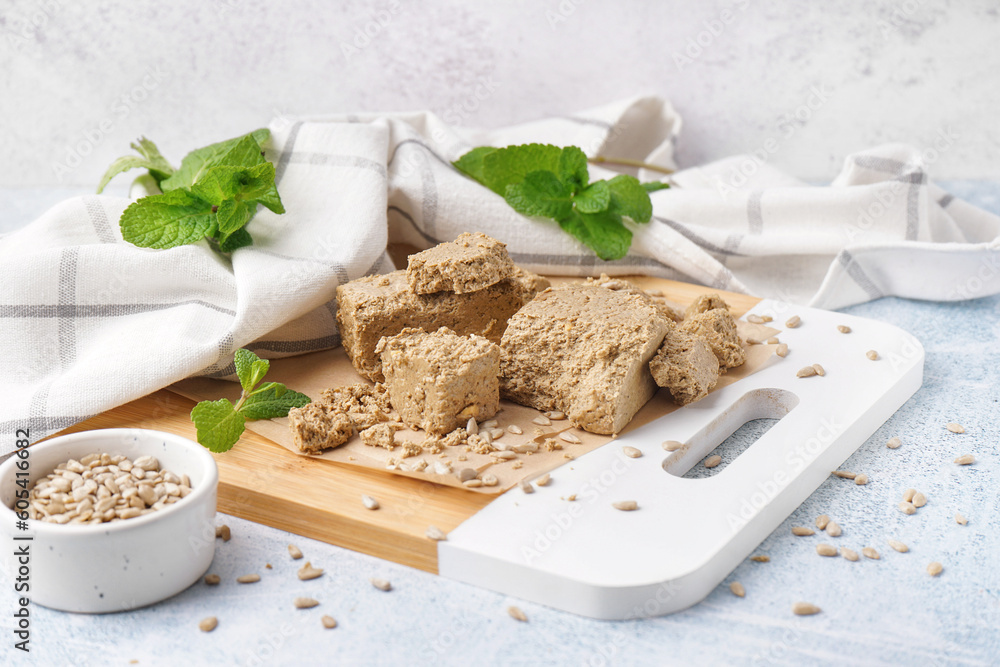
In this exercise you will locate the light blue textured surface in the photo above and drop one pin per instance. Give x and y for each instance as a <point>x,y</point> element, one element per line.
<point>874,612</point>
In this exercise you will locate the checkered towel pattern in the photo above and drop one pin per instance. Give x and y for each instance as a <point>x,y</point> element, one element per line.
<point>88,322</point>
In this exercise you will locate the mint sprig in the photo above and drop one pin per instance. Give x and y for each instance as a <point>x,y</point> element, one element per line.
<point>213,194</point>
<point>220,423</point>
<point>545,181</point>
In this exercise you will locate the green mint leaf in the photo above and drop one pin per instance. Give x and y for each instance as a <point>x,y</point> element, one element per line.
<point>573,168</point>
<point>234,215</point>
<point>273,400</point>
<point>149,158</point>
<point>168,220</point>
<point>507,166</point>
<point>653,186</point>
<point>218,424</point>
<point>244,184</point>
<point>602,232</point>
<point>628,197</point>
<point>239,239</point>
<point>244,359</point>
<point>594,198</point>
<point>471,164</point>
<point>540,194</point>
<point>197,163</point>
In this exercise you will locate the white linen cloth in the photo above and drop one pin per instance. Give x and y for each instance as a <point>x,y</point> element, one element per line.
<point>88,322</point>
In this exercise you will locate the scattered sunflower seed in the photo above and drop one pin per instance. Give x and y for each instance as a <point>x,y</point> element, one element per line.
<point>861,479</point>
<point>248,578</point>
<point>793,322</point>
<point>472,483</point>
<point>819,370</point>
<point>212,579</point>
<point>805,609</point>
<point>899,546</point>
<point>737,589</point>
<point>570,438</point>
<point>761,559</point>
<point>625,505</point>
<point>496,433</point>
<point>631,452</point>
<point>543,480</point>
<point>919,499</point>
<point>370,502</point>
<point>872,354</point>
<point>517,614</point>
<point>306,603</point>
<point>893,443</point>
<point>307,572</point>
<point>908,495</point>
<point>220,531</point>
<point>436,534</point>
<point>672,445</point>
<point>805,372</point>
<point>907,508</point>
<point>870,553</point>
<point>489,423</point>
<point>955,428</point>
<point>844,474</point>
<point>755,319</point>
<point>329,622</point>
<point>542,420</point>
<point>713,461</point>
<point>472,427</point>
<point>381,584</point>
<point>961,520</point>
<point>515,429</point>
<point>843,328</point>
<point>208,624</point>
<point>934,569</point>
<point>489,479</point>
<point>773,340</point>
<point>555,415</point>
<point>849,554</point>
<point>781,350</point>
<point>294,552</point>
<point>833,529</point>
<point>826,549</point>
<point>526,486</point>
<point>965,459</point>
<point>822,520</point>
<point>802,531</point>
<point>505,455</point>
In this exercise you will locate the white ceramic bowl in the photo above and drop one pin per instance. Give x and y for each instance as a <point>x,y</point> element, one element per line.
<point>126,564</point>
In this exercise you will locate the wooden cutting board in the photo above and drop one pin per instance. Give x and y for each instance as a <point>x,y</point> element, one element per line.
<point>262,481</point>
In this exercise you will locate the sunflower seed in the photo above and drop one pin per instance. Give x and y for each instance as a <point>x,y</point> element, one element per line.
<point>713,461</point>
<point>761,559</point>
<point>221,531</point>
<point>526,447</point>
<point>631,452</point>
<point>489,479</point>
<point>793,322</point>
<point>307,572</point>
<point>934,569</point>
<point>849,554</point>
<point>566,436</point>
<point>826,549</point>
<point>908,495</point>
<point>489,424</point>
<point>833,529</point>
<point>737,589</point>
<point>517,614</point>
<point>212,579</point>
<point>843,328</point>
<point>542,420</point>
<point>805,609</point>
<point>526,486</point>
<point>248,578</point>
<point>907,508</point>
<point>773,340</point>
<point>504,455</point>
<point>802,531</point>
<point>543,480</point>
<point>781,350</point>
<point>555,415</point>
<point>893,443</point>
<point>672,445</point>
<point>819,370</point>
<point>870,553</point>
<point>919,499</point>
<point>965,459</point>
<point>472,427</point>
<point>959,519</point>
<point>954,428</point>
<point>755,319</point>
<point>899,546</point>
<point>381,584</point>
<point>872,354</point>
<point>805,372</point>
<point>496,433</point>
<point>822,520</point>
<point>625,505</point>
<point>515,429</point>
<point>306,603</point>
<point>208,624</point>
<point>369,502</point>
<point>294,552</point>
<point>329,622</point>
<point>844,474</point>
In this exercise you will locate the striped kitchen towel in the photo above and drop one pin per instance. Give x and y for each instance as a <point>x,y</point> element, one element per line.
<point>88,322</point>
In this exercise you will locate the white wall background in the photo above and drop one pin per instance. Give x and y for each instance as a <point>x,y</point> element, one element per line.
<point>84,78</point>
